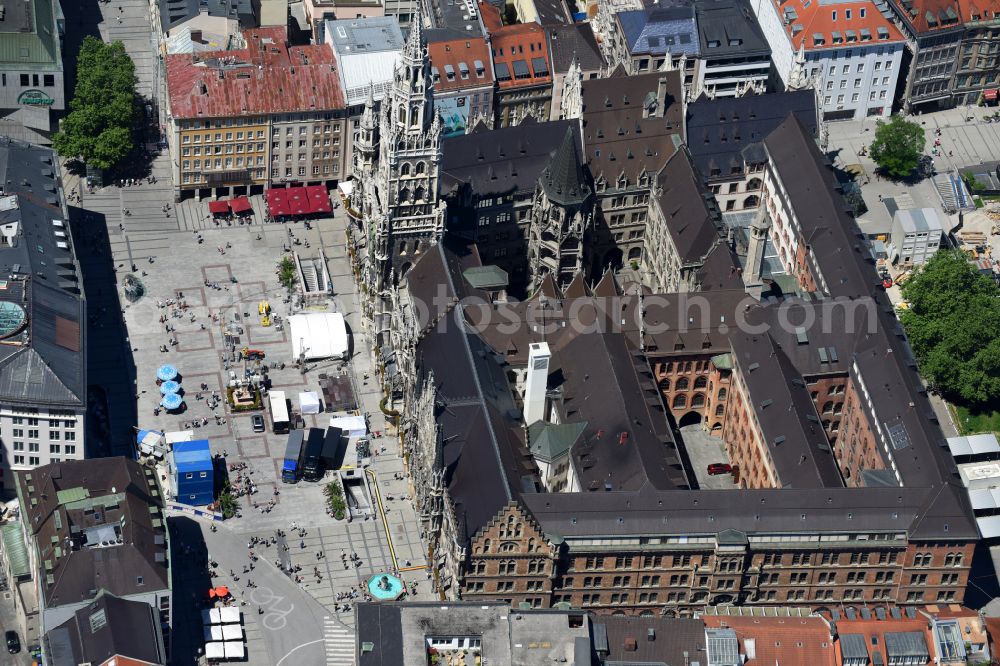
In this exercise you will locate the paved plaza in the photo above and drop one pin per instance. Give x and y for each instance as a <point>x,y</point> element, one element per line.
<point>176,250</point>
<point>180,268</point>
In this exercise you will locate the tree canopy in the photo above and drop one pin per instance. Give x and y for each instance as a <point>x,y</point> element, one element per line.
<point>98,129</point>
<point>953,324</point>
<point>898,146</point>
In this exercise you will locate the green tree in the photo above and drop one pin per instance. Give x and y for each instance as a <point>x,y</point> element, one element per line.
<point>335,495</point>
<point>287,275</point>
<point>898,146</point>
<point>953,325</point>
<point>98,129</point>
<point>227,504</point>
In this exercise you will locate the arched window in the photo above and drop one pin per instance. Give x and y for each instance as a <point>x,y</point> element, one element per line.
<point>486,545</point>
<point>404,169</point>
<point>698,400</point>
<point>664,384</point>
<point>680,401</point>
<point>404,195</point>
<point>722,394</point>
<point>635,254</point>
<point>754,184</point>
<point>420,168</point>
<point>418,194</point>
<point>719,410</point>
<point>751,201</point>
<point>827,407</point>
<point>682,384</point>
<point>701,382</point>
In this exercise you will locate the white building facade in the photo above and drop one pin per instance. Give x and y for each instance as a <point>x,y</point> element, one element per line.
<point>853,51</point>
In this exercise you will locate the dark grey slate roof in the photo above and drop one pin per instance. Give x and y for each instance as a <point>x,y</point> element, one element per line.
<point>627,443</point>
<point>105,628</point>
<point>784,511</point>
<point>563,179</point>
<point>175,12</point>
<point>40,274</point>
<point>485,456</point>
<point>674,640</point>
<point>575,40</point>
<point>502,161</point>
<point>728,28</point>
<point>720,130</point>
<point>58,502</point>
<point>380,625</point>
<point>797,444</point>
<point>691,215</point>
<point>553,12</point>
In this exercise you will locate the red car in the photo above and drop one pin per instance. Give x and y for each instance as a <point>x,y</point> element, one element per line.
<point>719,468</point>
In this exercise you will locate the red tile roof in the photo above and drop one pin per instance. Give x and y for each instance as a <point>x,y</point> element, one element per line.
<point>930,15</point>
<point>521,56</point>
<point>457,53</point>
<point>993,631</point>
<point>267,77</point>
<point>492,20</point>
<point>817,18</point>
<point>780,640</point>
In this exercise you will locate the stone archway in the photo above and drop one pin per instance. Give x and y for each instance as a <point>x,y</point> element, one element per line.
<point>689,419</point>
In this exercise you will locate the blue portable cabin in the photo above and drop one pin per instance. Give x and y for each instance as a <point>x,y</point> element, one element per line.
<point>192,467</point>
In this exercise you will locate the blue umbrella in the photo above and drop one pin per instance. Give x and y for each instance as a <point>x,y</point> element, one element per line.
<point>166,373</point>
<point>170,387</point>
<point>171,401</point>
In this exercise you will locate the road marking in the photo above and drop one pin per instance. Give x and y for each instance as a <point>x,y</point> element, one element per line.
<point>339,643</point>
<point>381,508</point>
<point>318,640</point>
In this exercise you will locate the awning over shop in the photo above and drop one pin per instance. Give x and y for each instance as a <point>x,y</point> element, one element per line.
<point>991,94</point>
<point>218,207</point>
<point>298,202</point>
<point>277,202</point>
<point>241,205</point>
<point>307,200</point>
<point>319,200</point>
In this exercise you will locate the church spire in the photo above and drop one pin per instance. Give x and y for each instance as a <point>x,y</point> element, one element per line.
<point>413,50</point>
<point>797,78</point>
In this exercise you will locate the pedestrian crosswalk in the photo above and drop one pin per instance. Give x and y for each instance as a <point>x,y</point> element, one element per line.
<point>339,643</point>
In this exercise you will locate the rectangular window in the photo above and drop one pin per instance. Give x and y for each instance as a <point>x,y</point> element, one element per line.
<point>49,80</point>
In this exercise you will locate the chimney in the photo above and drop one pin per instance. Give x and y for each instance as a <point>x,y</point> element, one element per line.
<point>661,96</point>
<point>537,382</point>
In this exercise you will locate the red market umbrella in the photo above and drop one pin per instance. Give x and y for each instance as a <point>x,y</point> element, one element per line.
<point>319,199</point>
<point>219,207</point>
<point>241,205</point>
<point>277,202</point>
<point>298,202</point>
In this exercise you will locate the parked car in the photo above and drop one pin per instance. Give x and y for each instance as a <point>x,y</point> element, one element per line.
<point>13,642</point>
<point>719,468</point>
<point>257,421</point>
